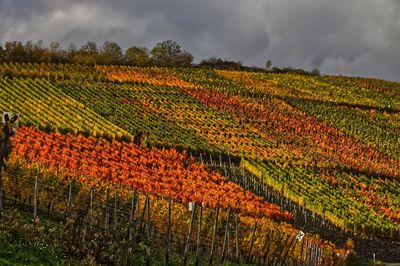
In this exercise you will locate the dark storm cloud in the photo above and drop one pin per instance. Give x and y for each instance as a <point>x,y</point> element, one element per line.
<point>344,36</point>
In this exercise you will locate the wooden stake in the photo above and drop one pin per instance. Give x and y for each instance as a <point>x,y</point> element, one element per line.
<point>107,219</point>
<point>130,225</point>
<point>91,202</point>
<point>270,236</point>
<point>277,245</point>
<point>214,235</point>
<point>143,213</point>
<point>88,216</point>
<point>189,234</point>
<point>317,255</point>
<point>1,201</point>
<point>168,232</point>
<point>148,217</point>
<point>237,238</point>
<point>301,250</point>
<point>248,259</point>
<point>306,253</point>
<point>281,249</point>
<point>132,214</point>
<point>311,246</point>
<point>115,210</point>
<point>198,244</point>
<point>226,235</point>
<point>311,255</point>
<point>263,248</point>
<point>228,249</point>
<point>35,199</point>
<point>69,201</point>
<point>290,248</point>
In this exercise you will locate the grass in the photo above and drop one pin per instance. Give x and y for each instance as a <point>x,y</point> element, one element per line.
<point>18,252</point>
<point>23,242</point>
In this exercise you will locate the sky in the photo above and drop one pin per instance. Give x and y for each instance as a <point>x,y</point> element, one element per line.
<point>349,37</point>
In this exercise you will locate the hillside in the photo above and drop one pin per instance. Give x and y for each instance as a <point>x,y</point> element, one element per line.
<point>277,146</point>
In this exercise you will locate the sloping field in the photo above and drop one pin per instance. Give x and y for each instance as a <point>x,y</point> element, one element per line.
<point>329,144</point>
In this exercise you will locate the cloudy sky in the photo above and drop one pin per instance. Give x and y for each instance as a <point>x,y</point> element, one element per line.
<point>351,37</point>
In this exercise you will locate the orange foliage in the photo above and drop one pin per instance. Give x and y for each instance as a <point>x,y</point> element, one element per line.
<point>165,173</point>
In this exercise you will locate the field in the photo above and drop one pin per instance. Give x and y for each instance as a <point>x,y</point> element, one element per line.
<point>265,148</point>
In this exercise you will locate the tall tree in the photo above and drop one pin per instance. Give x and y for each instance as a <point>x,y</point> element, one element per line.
<point>268,64</point>
<point>57,54</point>
<point>29,48</point>
<point>110,53</point>
<point>2,54</point>
<point>15,52</point>
<point>71,51</point>
<point>169,53</point>
<point>90,48</point>
<point>138,56</point>
<point>185,59</point>
<point>39,53</point>
<point>87,54</point>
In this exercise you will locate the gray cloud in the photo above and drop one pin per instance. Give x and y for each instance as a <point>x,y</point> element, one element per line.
<point>349,37</point>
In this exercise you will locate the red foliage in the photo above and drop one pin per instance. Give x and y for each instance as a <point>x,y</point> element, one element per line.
<point>165,173</point>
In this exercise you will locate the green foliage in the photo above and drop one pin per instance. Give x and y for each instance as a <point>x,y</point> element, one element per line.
<point>137,56</point>
<point>41,103</point>
<point>110,54</point>
<point>169,53</point>
<point>315,72</point>
<point>24,243</point>
<point>376,263</point>
<point>353,259</point>
<point>268,64</point>
<point>121,105</point>
<point>218,63</point>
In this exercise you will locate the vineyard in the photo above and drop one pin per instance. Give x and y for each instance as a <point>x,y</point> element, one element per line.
<point>255,152</point>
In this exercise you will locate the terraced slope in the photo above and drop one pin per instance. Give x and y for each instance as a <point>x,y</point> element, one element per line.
<point>332,145</point>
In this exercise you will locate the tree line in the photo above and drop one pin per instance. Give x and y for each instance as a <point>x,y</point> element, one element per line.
<point>167,53</point>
